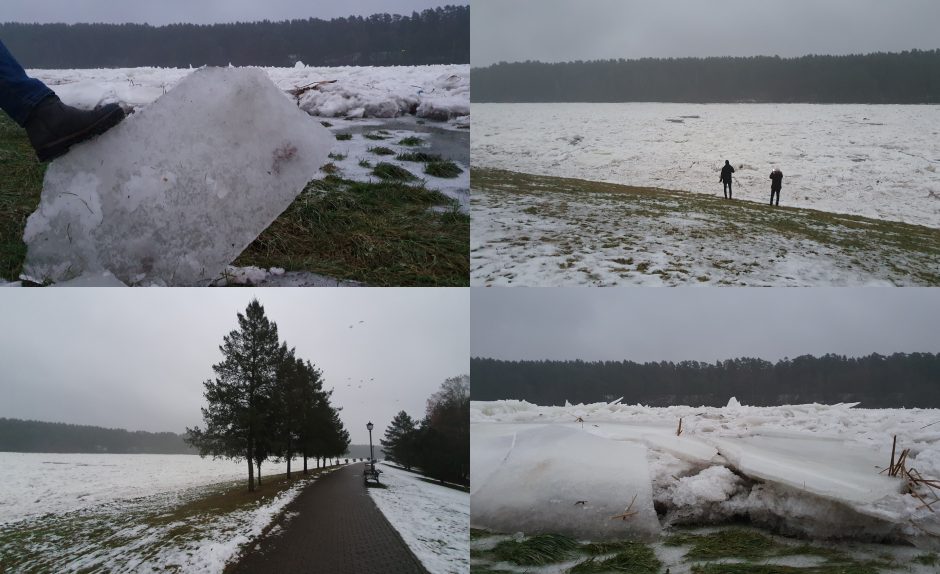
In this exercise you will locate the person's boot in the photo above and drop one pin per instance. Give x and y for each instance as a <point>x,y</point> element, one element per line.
<point>54,127</point>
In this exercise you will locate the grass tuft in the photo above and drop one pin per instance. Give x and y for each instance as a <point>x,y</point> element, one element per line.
<point>380,150</point>
<point>343,137</point>
<point>388,171</point>
<point>336,156</point>
<point>632,558</point>
<point>326,124</point>
<point>536,551</point>
<point>411,141</point>
<point>418,156</point>
<point>380,233</point>
<point>443,169</point>
<point>375,136</point>
<point>365,163</point>
<point>20,188</point>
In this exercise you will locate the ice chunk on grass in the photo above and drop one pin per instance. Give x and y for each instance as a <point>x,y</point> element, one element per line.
<point>175,192</point>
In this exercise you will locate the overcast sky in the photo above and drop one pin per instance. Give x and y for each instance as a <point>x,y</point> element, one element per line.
<point>202,11</point>
<point>707,324</point>
<point>565,30</point>
<point>137,358</point>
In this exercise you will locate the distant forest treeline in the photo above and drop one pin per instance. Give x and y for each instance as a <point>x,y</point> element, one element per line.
<point>37,436</point>
<point>881,78</point>
<point>434,36</point>
<point>876,381</point>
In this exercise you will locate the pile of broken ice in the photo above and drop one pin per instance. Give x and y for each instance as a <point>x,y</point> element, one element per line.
<point>176,192</point>
<point>606,471</point>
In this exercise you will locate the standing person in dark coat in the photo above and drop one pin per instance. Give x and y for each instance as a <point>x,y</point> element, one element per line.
<point>725,179</point>
<point>776,182</point>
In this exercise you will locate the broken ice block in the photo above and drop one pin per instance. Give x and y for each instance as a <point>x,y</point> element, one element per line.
<point>565,481</point>
<point>177,191</point>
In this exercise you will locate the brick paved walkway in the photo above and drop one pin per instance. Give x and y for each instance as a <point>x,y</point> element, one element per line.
<point>339,530</point>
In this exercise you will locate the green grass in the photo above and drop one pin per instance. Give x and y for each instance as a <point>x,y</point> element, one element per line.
<point>418,156</point>
<point>381,150</point>
<point>442,169</point>
<point>725,543</point>
<point>929,559</point>
<point>411,141</point>
<point>382,233</point>
<point>20,187</point>
<point>388,171</point>
<point>631,558</point>
<point>336,156</point>
<point>343,137</point>
<point>375,136</point>
<point>904,253</point>
<point>537,550</point>
<point>773,569</point>
<point>365,163</point>
<point>326,124</point>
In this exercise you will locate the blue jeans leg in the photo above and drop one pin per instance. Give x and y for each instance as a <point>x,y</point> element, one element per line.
<point>19,93</point>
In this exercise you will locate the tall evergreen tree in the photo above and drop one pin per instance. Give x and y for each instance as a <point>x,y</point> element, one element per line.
<point>239,400</point>
<point>399,441</point>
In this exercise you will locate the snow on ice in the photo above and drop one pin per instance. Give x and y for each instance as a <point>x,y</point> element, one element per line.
<point>176,191</point>
<point>876,161</point>
<point>436,92</point>
<point>432,519</point>
<point>813,470</point>
<point>572,480</point>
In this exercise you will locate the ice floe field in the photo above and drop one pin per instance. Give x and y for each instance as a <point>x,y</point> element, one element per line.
<point>806,485</point>
<point>876,161</point>
<point>132,513</point>
<point>628,194</point>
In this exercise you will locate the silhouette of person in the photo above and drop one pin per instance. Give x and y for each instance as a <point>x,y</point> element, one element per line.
<point>725,179</point>
<point>776,182</point>
<point>52,126</point>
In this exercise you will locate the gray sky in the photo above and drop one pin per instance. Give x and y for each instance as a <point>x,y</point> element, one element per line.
<point>565,30</point>
<point>137,358</point>
<point>158,12</point>
<point>704,324</point>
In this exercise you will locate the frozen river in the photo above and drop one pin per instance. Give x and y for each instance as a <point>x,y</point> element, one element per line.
<point>876,161</point>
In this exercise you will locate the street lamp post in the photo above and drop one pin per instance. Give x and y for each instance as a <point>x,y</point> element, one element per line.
<point>371,456</point>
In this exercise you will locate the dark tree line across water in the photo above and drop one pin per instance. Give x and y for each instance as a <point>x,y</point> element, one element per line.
<point>876,381</point>
<point>881,78</point>
<point>37,436</point>
<point>433,36</point>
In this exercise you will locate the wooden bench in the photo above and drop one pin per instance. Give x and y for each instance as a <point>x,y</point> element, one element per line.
<point>369,473</point>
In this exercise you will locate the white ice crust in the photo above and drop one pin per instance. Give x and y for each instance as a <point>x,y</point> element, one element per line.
<point>175,192</point>
<point>564,480</point>
<point>814,470</point>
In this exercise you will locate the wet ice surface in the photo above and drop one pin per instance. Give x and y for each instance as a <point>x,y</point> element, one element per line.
<point>812,470</point>
<point>176,191</point>
<point>563,480</point>
<point>875,161</point>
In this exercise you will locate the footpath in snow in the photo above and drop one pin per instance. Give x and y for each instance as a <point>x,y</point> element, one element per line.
<point>432,519</point>
<point>811,470</point>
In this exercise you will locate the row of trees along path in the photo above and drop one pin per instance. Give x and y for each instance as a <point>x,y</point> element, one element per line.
<point>266,403</point>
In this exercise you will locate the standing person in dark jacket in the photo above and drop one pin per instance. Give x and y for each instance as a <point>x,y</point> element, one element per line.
<point>776,182</point>
<point>725,179</point>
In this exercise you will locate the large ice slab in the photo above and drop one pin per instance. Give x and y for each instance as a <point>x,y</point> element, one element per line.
<point>830,469</point>
<point>175,192</point>
<point>566,481</point>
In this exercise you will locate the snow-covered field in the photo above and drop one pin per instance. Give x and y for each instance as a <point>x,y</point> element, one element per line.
<point>69,512</point>
<point>875,161</point>
<point>531,230</point>
<point>811,470</point>
<point>432,519</point>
